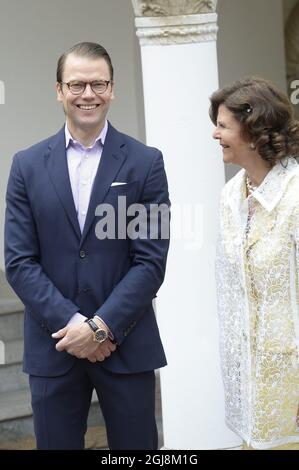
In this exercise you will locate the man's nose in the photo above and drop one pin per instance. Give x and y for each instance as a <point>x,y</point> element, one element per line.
<point>88,91</point>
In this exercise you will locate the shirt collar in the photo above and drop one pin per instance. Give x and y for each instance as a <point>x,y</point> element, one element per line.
<point>270,191</point>
<point>101,137</point>
<point>274,185</point>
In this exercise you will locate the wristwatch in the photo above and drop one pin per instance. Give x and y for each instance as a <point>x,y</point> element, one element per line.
<point>99,334</point>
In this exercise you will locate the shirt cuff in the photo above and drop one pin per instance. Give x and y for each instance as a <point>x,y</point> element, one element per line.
<point>76,319</point>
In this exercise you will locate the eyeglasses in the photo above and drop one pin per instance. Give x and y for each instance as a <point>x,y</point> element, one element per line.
<point>76,87</point>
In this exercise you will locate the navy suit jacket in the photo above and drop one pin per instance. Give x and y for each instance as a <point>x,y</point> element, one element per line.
<point>57,271</point>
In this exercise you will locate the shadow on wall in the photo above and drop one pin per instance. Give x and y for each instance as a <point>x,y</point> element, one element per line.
<point>2,92</point>
<point>292,56</point>
<point>5,290</point>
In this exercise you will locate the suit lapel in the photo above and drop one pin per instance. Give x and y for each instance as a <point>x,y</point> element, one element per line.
<point>113,157</point>
<point>56,163</point>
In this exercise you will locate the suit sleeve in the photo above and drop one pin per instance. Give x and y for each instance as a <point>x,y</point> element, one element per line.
<point>23,270</point>
<point>133,295</point>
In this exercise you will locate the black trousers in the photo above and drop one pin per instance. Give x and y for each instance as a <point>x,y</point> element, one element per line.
<point>61,404</point>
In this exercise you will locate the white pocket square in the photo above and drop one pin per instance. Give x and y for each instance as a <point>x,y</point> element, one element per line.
<point>117,183</point>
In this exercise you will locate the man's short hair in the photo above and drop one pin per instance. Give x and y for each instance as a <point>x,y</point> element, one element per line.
<point>84,49</point>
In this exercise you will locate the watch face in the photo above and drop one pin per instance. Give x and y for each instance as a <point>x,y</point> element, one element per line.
<point>100,336</point>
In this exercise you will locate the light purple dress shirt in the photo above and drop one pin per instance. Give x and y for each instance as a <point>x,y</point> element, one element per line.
<point>83,164</point>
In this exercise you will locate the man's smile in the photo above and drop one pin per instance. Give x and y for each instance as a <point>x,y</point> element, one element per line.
<point>87,107</point>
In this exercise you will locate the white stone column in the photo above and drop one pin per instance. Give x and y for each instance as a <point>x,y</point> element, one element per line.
<point>179,65</point>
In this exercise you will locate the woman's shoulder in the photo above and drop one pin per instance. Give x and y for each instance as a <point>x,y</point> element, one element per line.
<point>233,185</point>
<point>293,179</point>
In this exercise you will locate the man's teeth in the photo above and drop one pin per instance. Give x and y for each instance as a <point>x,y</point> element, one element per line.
<point>85,106</point>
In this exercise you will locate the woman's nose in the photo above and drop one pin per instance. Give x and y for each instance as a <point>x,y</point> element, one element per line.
<point>216,133</point>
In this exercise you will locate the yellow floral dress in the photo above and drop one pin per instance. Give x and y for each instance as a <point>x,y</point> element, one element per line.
<point>257,267</point>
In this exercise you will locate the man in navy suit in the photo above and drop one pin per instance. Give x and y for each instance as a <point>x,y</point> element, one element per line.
<point>89,321</point>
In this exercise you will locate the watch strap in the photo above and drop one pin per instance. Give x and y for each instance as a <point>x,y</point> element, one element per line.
<point>92,324</point>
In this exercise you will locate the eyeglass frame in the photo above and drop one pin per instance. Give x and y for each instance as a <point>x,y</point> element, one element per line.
<point>85,84</point>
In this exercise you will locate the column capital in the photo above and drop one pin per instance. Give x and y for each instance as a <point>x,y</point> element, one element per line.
<point>175,21</point>
<point>173,7</point>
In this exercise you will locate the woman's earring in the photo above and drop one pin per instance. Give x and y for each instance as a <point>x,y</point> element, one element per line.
<point>252,146</point>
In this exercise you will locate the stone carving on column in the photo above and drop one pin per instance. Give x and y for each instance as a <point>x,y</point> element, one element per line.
<point>175,21</point>
<point>172,7</point>
<point>292,52</point>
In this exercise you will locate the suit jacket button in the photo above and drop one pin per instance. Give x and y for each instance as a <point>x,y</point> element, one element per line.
<point>82,254</point>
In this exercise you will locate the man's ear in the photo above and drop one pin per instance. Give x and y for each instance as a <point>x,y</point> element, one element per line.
<point>59,92</point>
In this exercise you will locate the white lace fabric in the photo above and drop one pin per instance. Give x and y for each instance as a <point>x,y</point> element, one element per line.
<point>257,265</point>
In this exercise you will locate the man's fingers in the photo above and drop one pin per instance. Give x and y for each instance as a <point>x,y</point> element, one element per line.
<point>107,353</point>
<point>100,357</point>
<point>112,347</point>
<point>91,358</point>
<point>104,350</point>
<point>60,346</point>
<point>109,346</point>
<point>60,333</point>
<point>93,353</point>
